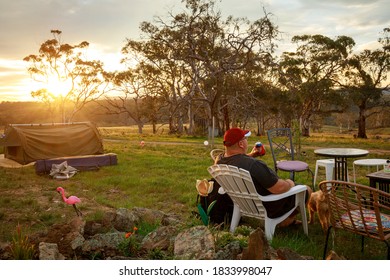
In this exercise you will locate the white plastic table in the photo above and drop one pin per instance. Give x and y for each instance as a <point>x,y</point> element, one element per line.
<point>368,162</point>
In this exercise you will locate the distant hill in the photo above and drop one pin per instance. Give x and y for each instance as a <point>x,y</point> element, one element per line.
<point>36,112</point>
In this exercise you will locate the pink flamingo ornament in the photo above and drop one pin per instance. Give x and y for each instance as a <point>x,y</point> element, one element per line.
<point>71,200</point>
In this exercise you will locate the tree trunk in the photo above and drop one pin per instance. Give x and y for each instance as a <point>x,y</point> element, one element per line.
<point>171,125</point>
<point>362,122</point>
<point>226,117</point>
<point>306,131</point>
<point>191,124</point>
<point>140,127</point>
<point>180,123</point>
<point>305,126</point>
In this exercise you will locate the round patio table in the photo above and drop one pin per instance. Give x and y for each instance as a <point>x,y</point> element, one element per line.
<point>340,156</point>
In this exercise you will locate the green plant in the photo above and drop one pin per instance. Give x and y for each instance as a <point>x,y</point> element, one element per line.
<point>243,230</point>
<point>48,218</point>
<point>205,216</point>
<point>130,245</point>
<point>21,248</point>
<point>204,188</point>
<point>97,256</point>
<point>223,239</point>
<point>156,254</point>
<point>226,238</point>
<point>144,228</point>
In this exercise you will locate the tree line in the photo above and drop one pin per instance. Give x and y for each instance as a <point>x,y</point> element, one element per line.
<point>196,72</point>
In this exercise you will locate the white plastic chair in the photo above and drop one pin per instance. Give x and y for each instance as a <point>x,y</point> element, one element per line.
<point>247,202</point>
<point>329,168</point>
<point>215,153</point>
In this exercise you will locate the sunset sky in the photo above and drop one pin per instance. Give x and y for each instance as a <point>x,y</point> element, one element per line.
<point>105,24</point>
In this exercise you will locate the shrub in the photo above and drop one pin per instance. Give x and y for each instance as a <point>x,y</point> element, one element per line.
<point>21,248</point>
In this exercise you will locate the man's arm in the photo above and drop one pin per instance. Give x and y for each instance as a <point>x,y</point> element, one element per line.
<point>281,186</point>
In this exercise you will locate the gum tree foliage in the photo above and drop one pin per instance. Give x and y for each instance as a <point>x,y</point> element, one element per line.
<point>160,76</point>
<point>65,64</point>
<point>366,81</point>
<point>197,54</point>
<point>309,75</point>
<point>249,97</point>
<point>137,97</point>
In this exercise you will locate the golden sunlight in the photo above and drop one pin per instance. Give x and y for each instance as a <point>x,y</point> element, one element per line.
<point>55,87</point>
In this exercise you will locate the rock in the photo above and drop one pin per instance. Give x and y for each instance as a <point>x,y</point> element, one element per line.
<point>49,251</point>
<point>5,251</point>
<point>64,235</point>
<point>148,215</point>
<point>77,242</point>
<point>77,225</point>
<point>94,227</point>
<point>258,246</point>
<point>230,252</point>
<point>124,220</point>
<point>168,220</point>
<point>108,219</point>
<point>196,243</point>
<point>103,241</point>
<point>162,239</point>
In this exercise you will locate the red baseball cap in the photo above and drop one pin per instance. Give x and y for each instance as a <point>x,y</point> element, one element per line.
<point>233,135</point>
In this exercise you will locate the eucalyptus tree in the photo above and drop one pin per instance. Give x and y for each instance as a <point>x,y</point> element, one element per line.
<point>310,76</point>
<point>65,76</point>
<point>249,96</point>
<point>165,74</point>
<point>217,50</point>
<point>270,109</point>
<point>196,52</point>
<point>132,87</point>
<point>366,80</point>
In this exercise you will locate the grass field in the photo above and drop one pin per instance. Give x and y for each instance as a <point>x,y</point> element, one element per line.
<point>161,175</point>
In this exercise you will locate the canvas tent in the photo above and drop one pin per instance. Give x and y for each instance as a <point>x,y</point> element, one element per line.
<point>25,143</point>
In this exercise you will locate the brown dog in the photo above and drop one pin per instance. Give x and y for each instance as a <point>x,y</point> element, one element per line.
<point>318,204</point>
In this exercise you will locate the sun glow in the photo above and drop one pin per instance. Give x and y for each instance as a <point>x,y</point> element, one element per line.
<point>59,88</point>
<point>16,84</point>
<point>56,88</point>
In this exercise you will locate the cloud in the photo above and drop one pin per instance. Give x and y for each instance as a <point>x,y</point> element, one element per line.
<point>14,80</point>
<point>26,24</point>
<point>105,24</point>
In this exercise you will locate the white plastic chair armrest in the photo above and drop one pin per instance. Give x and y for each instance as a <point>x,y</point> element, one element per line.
<point>294,190</point>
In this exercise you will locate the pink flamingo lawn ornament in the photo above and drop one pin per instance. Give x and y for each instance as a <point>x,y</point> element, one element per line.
<point>71,200</point>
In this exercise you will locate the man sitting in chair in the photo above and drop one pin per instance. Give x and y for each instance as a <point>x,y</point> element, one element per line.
<point>264,178</point>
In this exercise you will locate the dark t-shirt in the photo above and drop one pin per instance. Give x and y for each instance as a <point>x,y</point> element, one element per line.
<point>263,178</point>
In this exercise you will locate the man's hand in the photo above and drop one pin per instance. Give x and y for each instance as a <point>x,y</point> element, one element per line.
<point>257,151</point>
